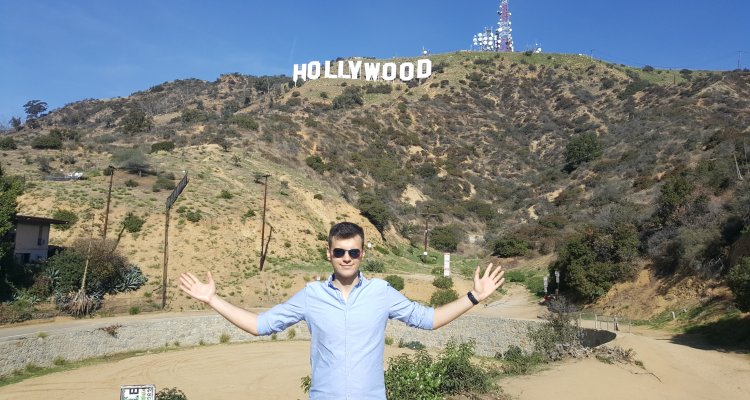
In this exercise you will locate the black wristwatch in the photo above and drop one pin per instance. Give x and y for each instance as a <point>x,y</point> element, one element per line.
<point>472,299</point>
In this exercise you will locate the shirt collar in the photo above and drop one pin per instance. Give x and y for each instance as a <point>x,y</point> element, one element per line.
<point>362,280</point>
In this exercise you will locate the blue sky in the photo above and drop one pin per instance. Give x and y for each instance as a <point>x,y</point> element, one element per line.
<point>65,51</point>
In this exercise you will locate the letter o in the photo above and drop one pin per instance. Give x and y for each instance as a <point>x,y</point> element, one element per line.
<point>389,71</point>
<point>313,70</point>
<point>406,71</point>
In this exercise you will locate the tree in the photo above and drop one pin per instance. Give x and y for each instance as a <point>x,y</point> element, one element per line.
<point>581,149</point>
<point>375,210</point>
<point>510,246</point>
<point>15,122</point>
<point>738,280</point>
<point>136,121</point>
<point>10,188</point>
<point>351,97</point>
<point>131,160</point>
<point>445,238</point>
<point>33,108</point>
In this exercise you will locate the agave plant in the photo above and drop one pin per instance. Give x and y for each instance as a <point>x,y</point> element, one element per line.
<point>132,279</point>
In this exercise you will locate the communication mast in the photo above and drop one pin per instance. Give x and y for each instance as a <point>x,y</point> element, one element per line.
<point>500,39</point>
<point>505,38</point>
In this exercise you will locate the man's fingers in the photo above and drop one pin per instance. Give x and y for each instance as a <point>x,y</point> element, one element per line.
<point>476,274</point>
<point>487,271</point>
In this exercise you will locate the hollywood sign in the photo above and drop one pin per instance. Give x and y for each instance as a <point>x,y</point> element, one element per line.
<point>372,71</point>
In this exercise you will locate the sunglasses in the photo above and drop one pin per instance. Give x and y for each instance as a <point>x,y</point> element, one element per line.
<point>353,253</point>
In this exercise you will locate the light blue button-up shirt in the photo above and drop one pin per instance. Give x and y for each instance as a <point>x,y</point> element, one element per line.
<point>347,337</point>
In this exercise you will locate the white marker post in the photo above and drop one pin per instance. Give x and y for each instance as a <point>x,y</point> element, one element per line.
<point>138,392</point>
<point>446,264</point>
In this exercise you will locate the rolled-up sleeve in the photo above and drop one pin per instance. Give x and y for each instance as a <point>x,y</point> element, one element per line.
<point>407,311</point>
<point>283,315</point>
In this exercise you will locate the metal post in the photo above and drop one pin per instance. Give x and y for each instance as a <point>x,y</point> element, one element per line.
<point>166,261</point>
<point>263,227</point>
<point>109,197</point>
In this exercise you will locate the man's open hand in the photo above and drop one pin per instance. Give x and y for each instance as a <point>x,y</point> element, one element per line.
<point>489,282</point>
<point>198,290</point>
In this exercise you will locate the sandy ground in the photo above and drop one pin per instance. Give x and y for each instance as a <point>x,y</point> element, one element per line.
<point>272,370</point>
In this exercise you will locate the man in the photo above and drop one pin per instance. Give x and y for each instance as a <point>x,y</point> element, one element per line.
<point>346,316</point>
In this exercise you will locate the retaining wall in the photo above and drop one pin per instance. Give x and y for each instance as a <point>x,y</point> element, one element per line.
<point>491,334</point>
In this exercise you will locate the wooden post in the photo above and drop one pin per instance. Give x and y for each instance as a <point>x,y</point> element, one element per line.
<point>263,227</point>
<point>166,261</point>
<point>109,197</point>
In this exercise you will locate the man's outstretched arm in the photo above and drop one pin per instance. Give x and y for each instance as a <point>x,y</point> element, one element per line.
<point>483,288</point>
<point>206,292</point>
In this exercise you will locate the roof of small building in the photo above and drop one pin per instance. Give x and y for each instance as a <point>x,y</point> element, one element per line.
<point>27,219</point>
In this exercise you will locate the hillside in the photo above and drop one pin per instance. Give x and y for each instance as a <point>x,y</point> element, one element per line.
<point>538,148</point>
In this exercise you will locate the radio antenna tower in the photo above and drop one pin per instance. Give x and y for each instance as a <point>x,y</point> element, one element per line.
<point>500,39</point>
<point>504,30</point>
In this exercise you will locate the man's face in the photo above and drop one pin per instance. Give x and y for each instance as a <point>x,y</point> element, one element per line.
<point>346,267</point>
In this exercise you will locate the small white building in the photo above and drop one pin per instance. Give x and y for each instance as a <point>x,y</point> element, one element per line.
<point>32,238</point>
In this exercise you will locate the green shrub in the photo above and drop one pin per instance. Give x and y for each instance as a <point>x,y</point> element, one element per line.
<point>351,97</point>
<point>136,121</point>
<point>224,338</point>
<point>375,210</point>
<point>7,143</point>
<point>193,216</point>
<point>445,238</point>
<point>131,183</point>
<point>170,394</point>
<point>46,142</point>
<point>510,246</point>
<point>162,146</point>
<point>738,280</point>
<point>395,281</point>
<point>373,265</point>
<point>442,297</point>
<point>131,160</point>
<point>582,148</point>
<point>68,216</point>
<point>225,194</point>
<point>132,223</point>
<point>443,282</point>
<point>245,121</point>
<point>134,310</point>
<point>164,183</point>
<point>518,362</point>
<point>413,345</point>
<point>418,376</point>
<point>316,163</point>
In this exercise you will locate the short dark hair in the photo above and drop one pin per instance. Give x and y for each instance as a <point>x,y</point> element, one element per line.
<point>345,230</point>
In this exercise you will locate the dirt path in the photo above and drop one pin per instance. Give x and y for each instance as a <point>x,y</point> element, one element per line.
<point>272,370</point>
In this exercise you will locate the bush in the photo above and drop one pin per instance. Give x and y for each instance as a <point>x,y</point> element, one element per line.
<point>246,122</point>
<point>418,376</point>
<point>193,216</point>
<point>581,149</point>
<point>225,194</point>
<point>131,160</point>
<point>46,142</point>
<point>445,238</point>
<point>442,297</point>
<point>443,282</point>
<point>372,265</point>
<point>136,121</point>
<point>163,183</point>
<point>510,246</point>
<point>65,215</point>
<point>162,146</point>
<point>518,362</point>
<point>108,271</point>
<point>132,223</point>
<point>395,281</point>
<point>316,163</point>
<point>170,394</point>
<point>738,280</point>
<point>375,210</point>
<point>555,338</point>
<point>7,143</point>
<point>131,183</point>
<point>351,97</point>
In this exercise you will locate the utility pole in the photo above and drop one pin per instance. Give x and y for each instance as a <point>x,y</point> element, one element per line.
<point>263,245</point>
<point>426,230</point>
<point>109,197</point>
